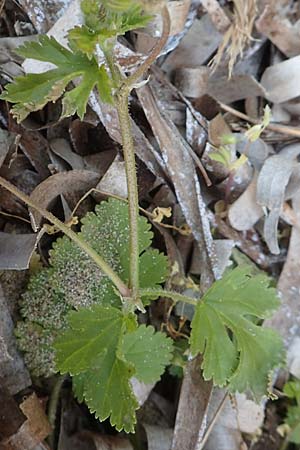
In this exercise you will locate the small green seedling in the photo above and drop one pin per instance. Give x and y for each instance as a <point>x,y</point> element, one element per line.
<point>291,426</point>
<point>223,154</point>
<point>80,314</point>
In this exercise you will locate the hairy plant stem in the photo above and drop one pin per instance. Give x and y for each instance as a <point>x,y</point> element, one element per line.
<point>101,263</point>
<point>132,187</point>
<point>122,105</point>
<point>121,100</point>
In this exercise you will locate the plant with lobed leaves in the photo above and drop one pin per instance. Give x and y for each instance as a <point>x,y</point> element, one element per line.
<point>79,315</point>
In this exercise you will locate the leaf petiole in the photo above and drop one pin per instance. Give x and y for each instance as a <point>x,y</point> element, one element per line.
<point>175,296</point>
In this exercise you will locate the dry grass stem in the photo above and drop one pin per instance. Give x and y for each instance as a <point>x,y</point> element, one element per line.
<point>238,35</point>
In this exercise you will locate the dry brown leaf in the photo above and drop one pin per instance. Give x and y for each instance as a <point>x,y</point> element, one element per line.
<point>196,134</point>
<point>217,129</point>
<point>114,181</point>
<point>192,81</point>
<point>11,418</point>
<point>178,11</point>
<point>62,148</point>
<point>217,15</point>
<point>245,211</point>
<point>76,182</point>
<point>252,248</point>
<point>33,431</point>
<point>223,248</point>
<point>278,28</point>
<point>238,87</point>
<point>108,442</point>
<point>6,139</point>
<point>144,150</point>
<point>35,146</point>
<point>44,14</point>
<point>197,46</point>
<point>184,177</point>
<point>274,184</point>
<point>287,319</point>
<point>16,250</point>
<point>281,81</point>
<point>238,415</point>
<point>158,438</point>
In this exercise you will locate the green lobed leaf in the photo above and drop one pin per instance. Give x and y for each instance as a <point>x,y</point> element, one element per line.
<point>88,349</point>
<point>148,352</point>
<point>108,394</point>
<point>293,421</point>
<point>85,39</point>
<point>133,19</point>
<point>74,281</point>
<point>104,21</point>
<point>103,349</point>
<point>245,359</point>
<point>210,337</point>
<point>292,390</point>
<point>92,336</point>
<point>78,386</point>
<point>32,92</point>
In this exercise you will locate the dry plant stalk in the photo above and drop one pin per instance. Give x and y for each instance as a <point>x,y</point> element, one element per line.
<point>2,2</point>
<point>238,35</point>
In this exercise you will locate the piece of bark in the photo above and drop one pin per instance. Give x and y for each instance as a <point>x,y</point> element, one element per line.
<point>191,419</point>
